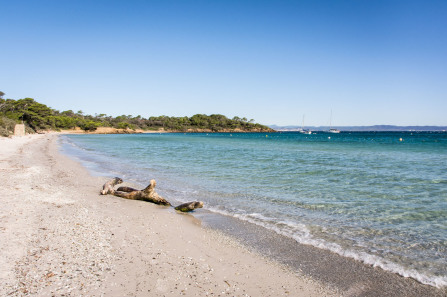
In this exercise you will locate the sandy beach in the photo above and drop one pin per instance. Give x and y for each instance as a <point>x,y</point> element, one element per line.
<point>59,237</point>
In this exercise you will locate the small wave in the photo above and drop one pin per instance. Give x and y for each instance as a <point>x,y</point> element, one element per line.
<point>302,234</point>
<point>67,141</point>
<point>439,181</point>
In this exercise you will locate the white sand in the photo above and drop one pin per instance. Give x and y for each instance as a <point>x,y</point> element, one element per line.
<point>59,237</point>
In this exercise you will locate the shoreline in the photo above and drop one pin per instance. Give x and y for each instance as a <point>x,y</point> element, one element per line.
<point>344,272</point>
<point>306,270</point>
<point>59,236</point>
<point>110,130</point>
<point>349,276</point>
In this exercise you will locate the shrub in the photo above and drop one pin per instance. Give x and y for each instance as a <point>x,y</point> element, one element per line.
<point>6,126</point>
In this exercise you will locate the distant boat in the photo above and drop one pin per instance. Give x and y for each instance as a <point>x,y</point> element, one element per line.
<point>332,130</point>
<point>303,131</point>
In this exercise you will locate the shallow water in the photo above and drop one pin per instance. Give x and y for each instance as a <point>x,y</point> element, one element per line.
<point>377,197</point>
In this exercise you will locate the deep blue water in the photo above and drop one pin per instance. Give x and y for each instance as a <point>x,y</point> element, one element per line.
<point>377,197</point>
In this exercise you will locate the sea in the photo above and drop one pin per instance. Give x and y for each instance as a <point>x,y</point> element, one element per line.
<point>377,197</point>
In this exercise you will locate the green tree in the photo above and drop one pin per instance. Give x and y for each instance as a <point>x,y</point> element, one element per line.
<point>124,125</point>
<point>199,120</point>
<point>89,125</point>
<point>69,113</point>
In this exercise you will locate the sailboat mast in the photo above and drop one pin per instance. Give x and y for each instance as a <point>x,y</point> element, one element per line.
<point>332,130</point>
<point>330,121</point>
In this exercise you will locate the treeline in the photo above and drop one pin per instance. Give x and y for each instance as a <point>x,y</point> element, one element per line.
<point>39,117</point>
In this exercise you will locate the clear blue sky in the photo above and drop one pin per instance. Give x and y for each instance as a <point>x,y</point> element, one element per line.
<point>370,61</point>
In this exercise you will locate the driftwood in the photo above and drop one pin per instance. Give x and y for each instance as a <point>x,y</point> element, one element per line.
<point>147,194</point>
<point>107,188</point>
<point>189,206</point>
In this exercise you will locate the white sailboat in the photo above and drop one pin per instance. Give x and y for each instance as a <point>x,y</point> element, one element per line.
<point>332,130</point>
<point>303,131</point>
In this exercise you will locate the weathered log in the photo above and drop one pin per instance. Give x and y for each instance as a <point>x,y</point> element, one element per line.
<point>126,189</point>
<point>107,188</point>
<point>189,206</point>
<point>147,194</point>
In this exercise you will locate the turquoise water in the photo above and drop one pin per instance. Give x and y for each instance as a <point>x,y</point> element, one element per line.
<point>378,197</point>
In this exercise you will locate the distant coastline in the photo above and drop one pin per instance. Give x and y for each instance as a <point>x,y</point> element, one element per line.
<point>374,128</point>
<point>273,129</point>
<point>39,118</point>
<point>111,130</point>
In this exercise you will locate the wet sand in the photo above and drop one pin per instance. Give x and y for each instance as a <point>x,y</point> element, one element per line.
<point>59,237</point>
<point>350,277</point>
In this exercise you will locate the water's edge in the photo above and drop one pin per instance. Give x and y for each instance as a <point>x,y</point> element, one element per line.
<point>343,273</point>
<point>321,264</point>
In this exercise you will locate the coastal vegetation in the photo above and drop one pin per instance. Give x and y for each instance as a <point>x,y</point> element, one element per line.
<point>38,117</point>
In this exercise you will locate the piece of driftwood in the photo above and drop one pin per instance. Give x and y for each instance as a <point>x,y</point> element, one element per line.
<point>147,194</point>
<point>189,206</point>
<point>126,189</point>
<point>108,187</point>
